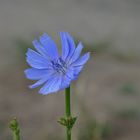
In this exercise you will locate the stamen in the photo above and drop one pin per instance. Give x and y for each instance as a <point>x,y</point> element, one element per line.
<point>59,65</point>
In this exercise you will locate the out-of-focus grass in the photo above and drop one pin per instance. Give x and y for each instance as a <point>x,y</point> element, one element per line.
<point>128,89</point>
<point>95,131</point>
<point>91,128</point>
<point>129,56</point>
<point>1,126</point>
<point>95,47</point>
<point>22,46</point>
<point>129,113</point>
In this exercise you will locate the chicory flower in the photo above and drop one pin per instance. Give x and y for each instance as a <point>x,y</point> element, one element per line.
<point>52,70</point>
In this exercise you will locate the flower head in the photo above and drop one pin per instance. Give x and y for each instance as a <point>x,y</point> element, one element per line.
<point>53,71</point>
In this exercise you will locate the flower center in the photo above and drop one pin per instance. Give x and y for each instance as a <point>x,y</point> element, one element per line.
<point>59,65</point>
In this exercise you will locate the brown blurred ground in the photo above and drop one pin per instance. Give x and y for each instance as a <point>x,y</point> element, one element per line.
<point>108,88</point>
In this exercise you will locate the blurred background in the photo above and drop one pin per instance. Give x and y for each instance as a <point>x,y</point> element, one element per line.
<point>106,97</point>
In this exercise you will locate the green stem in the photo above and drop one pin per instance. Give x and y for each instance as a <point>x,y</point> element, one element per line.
<point>15,136</point>
<point>68,111</point>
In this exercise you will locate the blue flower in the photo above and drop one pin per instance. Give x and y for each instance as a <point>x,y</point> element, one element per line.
<point>53,71</point>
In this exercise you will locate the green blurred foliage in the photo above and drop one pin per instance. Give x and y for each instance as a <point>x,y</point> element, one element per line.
<point>128,89</point>
<point>94,130</point>
<point>2,126</point>
<point>22,46</point>
<point>129,113</point>
<point>95,47</point>
<point>129,56</point>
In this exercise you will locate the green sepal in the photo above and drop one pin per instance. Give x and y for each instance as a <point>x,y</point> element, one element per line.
<point>73,121</point>
<point>68,122</point>
<point>62,121</point>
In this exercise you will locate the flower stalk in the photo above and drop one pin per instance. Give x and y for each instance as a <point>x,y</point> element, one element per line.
<point>14,126</point>
<point>68,121</point>
<point>68,111</point>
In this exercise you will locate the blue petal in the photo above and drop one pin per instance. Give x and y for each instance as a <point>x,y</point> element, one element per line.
<point>71,45</point>
<point>53,85</point>
<point>36,74</point>
<point>40,49</point>
<point>76,53</point>
<point>65,47</point>
<point>77,71</point>
<point>49,46</point>
<point>68,45</point>
<point>82,60</point>
<point>36,60</point>
<point>43,80</point>
<point>73,72</point>
<point>65,82</point>
<point>70,73</point>
<point>38,83</point>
